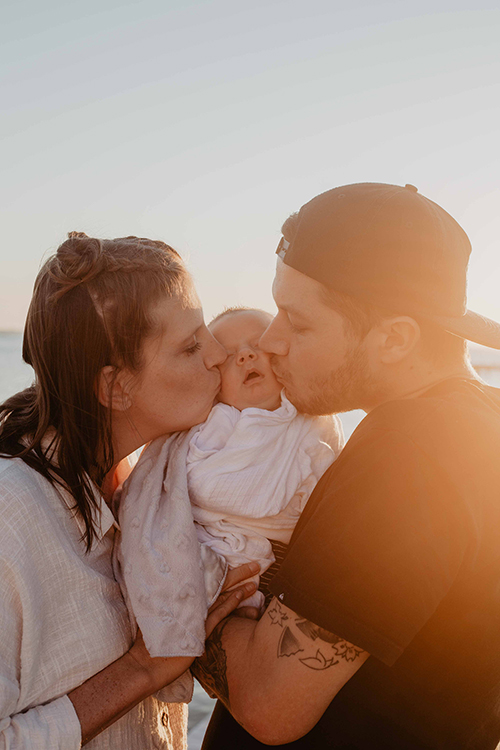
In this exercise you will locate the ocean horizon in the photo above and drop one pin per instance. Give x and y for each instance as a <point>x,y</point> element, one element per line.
<point>14,373</point>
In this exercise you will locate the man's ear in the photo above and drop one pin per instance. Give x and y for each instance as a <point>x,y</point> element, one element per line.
<point>113,388</point>
<point>398,338</point>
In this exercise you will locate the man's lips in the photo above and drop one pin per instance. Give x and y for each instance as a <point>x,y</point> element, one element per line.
<point>273,360</point>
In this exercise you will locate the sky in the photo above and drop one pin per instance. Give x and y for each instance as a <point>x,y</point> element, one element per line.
<point>206,124</point>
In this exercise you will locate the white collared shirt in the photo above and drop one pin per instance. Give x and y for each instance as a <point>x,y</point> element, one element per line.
<point>62,620</point>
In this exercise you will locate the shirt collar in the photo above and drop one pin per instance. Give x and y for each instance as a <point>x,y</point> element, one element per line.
<point>102,517</point>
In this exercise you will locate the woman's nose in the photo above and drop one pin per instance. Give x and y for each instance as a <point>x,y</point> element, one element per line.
<point>216,353</point>
<point>245,355</point>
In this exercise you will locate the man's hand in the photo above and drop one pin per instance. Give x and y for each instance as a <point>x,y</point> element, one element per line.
<point>159,670</point>
<point>277,676</point>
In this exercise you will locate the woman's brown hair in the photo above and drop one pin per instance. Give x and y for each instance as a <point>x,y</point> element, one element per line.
<point>91,308</point>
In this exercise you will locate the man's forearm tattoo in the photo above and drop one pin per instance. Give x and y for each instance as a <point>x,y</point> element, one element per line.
<point>210,668</point>
<point>288,644</point>
<point>331,651</point>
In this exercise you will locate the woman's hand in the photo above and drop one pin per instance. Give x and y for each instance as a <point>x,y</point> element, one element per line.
<point>232,595</point>
<point>239,574</point>
<point>109,694</point>
<point>162,670</point>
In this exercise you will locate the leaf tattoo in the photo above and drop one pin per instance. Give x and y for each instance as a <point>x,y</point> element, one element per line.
<point>319,661</point>
<point>347,652</point>
<point>277,615</point>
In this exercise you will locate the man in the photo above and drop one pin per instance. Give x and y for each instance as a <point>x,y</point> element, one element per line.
<point>384,630</point>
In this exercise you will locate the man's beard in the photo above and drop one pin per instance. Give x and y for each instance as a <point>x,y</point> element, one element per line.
<point>350,387</point>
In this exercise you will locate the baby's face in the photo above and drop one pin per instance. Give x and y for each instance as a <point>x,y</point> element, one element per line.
<point>247,377</point>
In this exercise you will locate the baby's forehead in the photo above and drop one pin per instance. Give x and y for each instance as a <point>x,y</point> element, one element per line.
<point>241,321</point>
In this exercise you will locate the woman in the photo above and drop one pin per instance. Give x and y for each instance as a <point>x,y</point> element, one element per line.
<point>116,337</point>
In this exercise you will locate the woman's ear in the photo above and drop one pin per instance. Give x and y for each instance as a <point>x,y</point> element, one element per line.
<point>113,389</point>
<point>399,337</point>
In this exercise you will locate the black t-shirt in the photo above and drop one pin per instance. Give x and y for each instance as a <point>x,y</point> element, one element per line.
<point>398,552</point>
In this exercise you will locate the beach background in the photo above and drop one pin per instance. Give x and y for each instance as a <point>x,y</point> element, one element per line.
<point>205,123</point>
<point>16,375</point>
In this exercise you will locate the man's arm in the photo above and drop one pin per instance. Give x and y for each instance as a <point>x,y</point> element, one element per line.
<point>277,676</point>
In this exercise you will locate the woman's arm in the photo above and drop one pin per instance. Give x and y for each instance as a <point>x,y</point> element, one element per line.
<point>52,725</point>
<point>61,723</point>
<point>108,695</point>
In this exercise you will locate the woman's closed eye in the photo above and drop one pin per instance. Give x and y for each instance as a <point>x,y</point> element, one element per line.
<point>193,348</point>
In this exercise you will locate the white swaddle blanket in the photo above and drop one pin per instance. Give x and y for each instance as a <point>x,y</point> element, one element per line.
<point>249,474</point>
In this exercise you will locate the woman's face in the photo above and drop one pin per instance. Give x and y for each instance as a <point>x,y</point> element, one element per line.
<point>179,379</point>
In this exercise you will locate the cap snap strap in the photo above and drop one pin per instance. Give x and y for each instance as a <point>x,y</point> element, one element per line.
<point>282,248</point>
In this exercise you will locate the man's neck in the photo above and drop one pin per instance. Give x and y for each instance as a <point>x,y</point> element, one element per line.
<point>416,381</point>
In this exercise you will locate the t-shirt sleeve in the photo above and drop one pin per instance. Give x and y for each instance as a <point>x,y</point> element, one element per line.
<point>379,544</point>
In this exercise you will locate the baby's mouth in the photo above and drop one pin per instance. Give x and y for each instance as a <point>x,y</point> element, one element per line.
<point>252,376</point>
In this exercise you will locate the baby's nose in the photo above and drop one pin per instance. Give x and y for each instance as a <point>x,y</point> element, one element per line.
<point>246,354</point>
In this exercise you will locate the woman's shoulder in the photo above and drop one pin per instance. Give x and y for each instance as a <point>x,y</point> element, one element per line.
<point>24,494</point>
<point>18,469</point>
<point>16,476</point>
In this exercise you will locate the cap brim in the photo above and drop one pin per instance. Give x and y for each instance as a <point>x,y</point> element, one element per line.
<point>473,327</point>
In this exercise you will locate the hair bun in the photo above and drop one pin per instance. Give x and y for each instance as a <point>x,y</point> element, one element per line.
<point>78,260</point>
<point>78,235</point>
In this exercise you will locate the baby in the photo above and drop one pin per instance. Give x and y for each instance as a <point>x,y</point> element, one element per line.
<point>253,464</point>
<point>244,475</point>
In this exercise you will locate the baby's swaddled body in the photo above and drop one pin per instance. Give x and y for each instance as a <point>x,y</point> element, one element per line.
<point>251,472</point>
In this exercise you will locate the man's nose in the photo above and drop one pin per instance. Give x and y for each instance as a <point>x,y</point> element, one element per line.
<point>271,341</point>
<point>247,354</point>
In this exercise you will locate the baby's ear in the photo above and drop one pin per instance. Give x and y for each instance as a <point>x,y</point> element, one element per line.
<point>113,388</point>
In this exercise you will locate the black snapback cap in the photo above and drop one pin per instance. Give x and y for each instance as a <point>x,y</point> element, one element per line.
<point>392,247</point>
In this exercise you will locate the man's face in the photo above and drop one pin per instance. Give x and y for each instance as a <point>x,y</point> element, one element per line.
<point>322,366</point>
